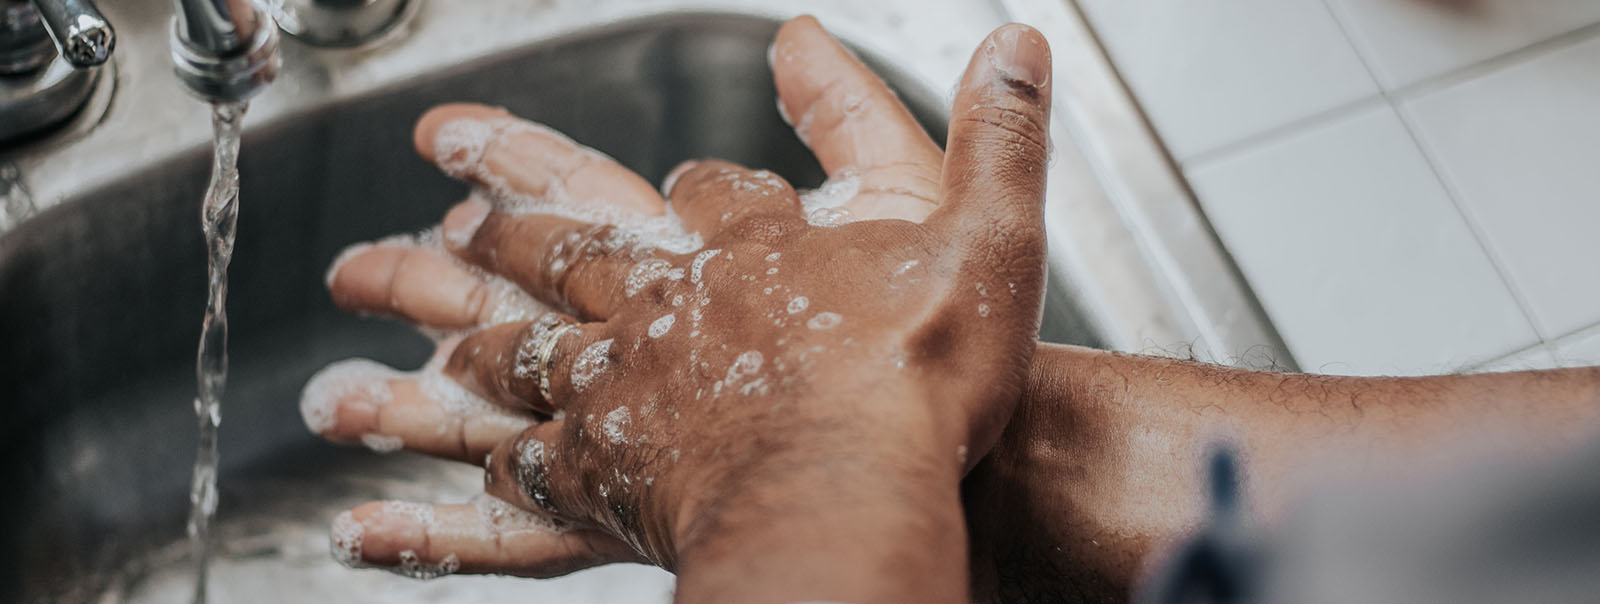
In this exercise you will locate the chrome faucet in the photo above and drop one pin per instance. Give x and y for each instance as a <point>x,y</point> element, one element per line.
<point>224,50</point>
<point>50,53</point>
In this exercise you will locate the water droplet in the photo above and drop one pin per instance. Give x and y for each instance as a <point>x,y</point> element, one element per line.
<point>825,320</point>
<point>661,326</point>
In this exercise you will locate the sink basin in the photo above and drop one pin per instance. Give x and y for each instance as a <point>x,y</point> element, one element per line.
<point>102,266</point>
<point>103,294</point>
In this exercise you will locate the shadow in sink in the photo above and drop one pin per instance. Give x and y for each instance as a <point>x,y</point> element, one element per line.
<point>103,297</point>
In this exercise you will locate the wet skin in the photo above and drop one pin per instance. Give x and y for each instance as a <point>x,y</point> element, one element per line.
<point>800,430</point>
<point>733,472</point>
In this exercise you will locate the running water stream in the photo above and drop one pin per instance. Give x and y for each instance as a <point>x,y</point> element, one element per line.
<point>219,215</point>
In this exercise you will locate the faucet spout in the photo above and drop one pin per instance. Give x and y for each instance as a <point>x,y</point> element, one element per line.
<point>224,50</point>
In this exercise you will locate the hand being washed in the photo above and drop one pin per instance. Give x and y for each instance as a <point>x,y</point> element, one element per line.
<point>774,407</point>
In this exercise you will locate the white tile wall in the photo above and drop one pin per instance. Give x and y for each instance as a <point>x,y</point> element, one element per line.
<point>1522,146</point>
<point>1410,186</point>
<point>1308,218</point>
<point>1407,41</point>
<point>1579,349</point>
<point>1212,72</point>
<point>1536,357</point>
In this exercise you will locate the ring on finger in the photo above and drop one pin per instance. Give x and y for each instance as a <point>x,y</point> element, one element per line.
<point>533,356</point>
<point>542,360</point>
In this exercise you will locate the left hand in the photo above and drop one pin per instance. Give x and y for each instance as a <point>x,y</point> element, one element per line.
<point>879,346</point>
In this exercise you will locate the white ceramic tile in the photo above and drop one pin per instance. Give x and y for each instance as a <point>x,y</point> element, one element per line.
<point>1538,357</point>
<point>1211,72</point>
<point>1580,349</point>
<point>1357,253</point>
<point>1407,41</point>
<point>1521,146</point>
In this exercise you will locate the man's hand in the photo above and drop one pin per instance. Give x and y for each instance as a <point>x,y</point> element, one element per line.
<point>783,412</point>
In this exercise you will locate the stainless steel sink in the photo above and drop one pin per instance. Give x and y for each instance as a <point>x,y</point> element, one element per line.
<point>103,294</point>
<point>101,290</point>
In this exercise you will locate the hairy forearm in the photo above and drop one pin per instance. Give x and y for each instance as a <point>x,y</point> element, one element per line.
<point>1102,463</point>
<point>860,528</point>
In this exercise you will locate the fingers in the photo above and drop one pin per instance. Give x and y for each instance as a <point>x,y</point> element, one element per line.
<point>710,194</point>
<point>424,285</point>
<point>477,392</point>
<point>517,159</point>
<point>527,471</point>
<point>500,363</point>
<point>487,536</point>
<point>562,262</point>
<point>362,401</point>
<point>851,120</point>
<point>994,167</point>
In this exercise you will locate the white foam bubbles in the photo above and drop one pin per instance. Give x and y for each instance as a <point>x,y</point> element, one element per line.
<point>615,425</point>
<point>383,444</point>
<point>420,513</point>
<point>661,326</point>
<point>460,145</point>
<point>825,320</point>
<point>499,516</point>
<point>511,303</point>
<point>345,538</point>
<point>590,364</point>
<point>644,273</point>
<point>697,268</point>
<point>746,364</point>
<point>414,567</point>
<point>802,127</point>
<point>823,205</point>
<point>353,378</point>
<point>761,182</point>
<point>456,400</point>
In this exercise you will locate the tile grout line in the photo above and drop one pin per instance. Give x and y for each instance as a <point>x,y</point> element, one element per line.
<point>1450,190</point>
<point>1520,352</point>
<point>1407,92</point>
<point>1284,132</point>
<point>1577,335</point>
<point>1553,347</point>
<point>1510,58</point>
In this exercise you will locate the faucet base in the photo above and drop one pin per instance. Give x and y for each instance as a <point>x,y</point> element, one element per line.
<point>342,24</point>
<point>44,99</point>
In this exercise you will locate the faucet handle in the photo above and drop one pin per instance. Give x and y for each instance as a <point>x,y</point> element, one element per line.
<point>82,34</point>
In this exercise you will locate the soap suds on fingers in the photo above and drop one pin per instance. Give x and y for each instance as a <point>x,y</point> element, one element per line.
<point>462,145</point>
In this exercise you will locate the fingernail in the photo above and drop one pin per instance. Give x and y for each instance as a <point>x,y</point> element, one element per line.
<point>340,260</point>
<point>357,379</point>
<point>1021,54</point>
<point>463,221</point>
<point>459,145</point>
<point>345,538</point>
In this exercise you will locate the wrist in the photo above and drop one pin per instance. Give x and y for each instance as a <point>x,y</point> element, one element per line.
<point>825,527</point>
<point>1032,537</point>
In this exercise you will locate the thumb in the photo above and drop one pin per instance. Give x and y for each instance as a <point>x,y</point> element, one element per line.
<point>994,165</point>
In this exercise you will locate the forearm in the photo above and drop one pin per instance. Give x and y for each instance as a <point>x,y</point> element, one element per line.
<point>1102,462</point>
<point>859,529</point>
